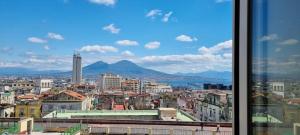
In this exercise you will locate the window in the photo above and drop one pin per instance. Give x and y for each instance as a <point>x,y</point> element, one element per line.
<point>267,64</point>
<point>63,107</point>
<point>144,60</point>
<point>21,112</point>
<point>32,110</point>
<point>50,107</point>
<point>275,61</point>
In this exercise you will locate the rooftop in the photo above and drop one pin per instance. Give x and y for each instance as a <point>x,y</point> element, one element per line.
<point>74,94</point>
<point>94,113</point>
<point>265,119</point>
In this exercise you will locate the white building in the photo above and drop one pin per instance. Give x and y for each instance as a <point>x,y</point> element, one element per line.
<point>6,111</point>
<point>156,88</point>
<point>216,107</point>
<point>5,88</point>
<point>23,84</point>
<point>278,88</point>
<point>43,85</point>
<point>7,97</point>
<point>108,82</point>
<point>77,69</point>
<point>66,100</point>
<point>23,87</point>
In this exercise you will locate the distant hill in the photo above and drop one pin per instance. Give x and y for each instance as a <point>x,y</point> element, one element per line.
<point>24,71</point>
<point>127,68</point>
<point>211,74</point>
<point>124,68</point>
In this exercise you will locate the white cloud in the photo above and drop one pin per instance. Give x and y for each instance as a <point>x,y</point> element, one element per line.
<point>104,2</point>
<point>55,36</point>
<point>127,43</point>
<point>36,40</point>
<point>219,48</point>
<point>152,45</point>
<point>220,59</point>
<point>111,28</point>
<point>167,16</point>
<point>186,62</point>
<point>153,13</point>
<point>269,37</point>
<point>221,1</point>
<point>289,42</point>
<point>186,38</point>
<point>40,62</point>
<point>127,53</point>
<point>46,47</point>
<point>98,48</point>
<point>178,58</point>
<point>9,64</point>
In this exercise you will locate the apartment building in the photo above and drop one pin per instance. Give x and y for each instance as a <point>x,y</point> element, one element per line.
<point>28,105</point>
<point>215,107</point>
<point>109,82</point>
<point>65,100</point>
<point>131,85</point>
<point>43,85</point>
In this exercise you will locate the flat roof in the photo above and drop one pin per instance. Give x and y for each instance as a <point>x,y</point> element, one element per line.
<point>69,113</point>
<point>265,119</point>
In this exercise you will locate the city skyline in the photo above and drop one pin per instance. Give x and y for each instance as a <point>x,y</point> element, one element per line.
<point>178,39</point>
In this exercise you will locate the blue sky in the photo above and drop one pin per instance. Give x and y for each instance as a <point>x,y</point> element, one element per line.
<point>166,35</point>
<point>276,37</point>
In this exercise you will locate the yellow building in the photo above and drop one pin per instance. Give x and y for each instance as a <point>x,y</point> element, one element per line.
<point>28,106</point>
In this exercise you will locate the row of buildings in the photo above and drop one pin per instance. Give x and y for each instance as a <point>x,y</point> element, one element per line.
<point>111,82</point>
<point>32,105</point>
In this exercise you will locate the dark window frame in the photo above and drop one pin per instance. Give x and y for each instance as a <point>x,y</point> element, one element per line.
<point>241,66</point>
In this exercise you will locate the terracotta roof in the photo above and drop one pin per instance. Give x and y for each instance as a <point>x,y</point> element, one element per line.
<point>119,107</point>
<point>294,101</point>
<point>28,96</point>
<point>74,94</point>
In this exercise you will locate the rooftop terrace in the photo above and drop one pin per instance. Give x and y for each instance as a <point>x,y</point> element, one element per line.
<point>181,116</point>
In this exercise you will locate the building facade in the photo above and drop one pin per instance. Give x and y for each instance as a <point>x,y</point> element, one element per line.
<point>65,100</point>
<point>156,88</point>
<point>109,82</point>
<point>43,85</point>
<point>131,85</point>
<point>278,88</point>
<point>7,111</point>
<point>7,97</point>
<point>28,106</point>
<point>77,69</point>
<point>216,107</point>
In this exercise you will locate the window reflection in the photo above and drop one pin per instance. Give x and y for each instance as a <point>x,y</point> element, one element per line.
<point>275,95</point>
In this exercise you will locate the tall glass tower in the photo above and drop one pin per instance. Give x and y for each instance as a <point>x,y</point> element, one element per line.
<point>77,70</point>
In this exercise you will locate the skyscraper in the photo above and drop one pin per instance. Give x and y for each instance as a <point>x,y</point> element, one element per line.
<point>77,70</point>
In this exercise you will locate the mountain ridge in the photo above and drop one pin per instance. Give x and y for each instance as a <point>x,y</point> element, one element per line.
<point>124,68</point>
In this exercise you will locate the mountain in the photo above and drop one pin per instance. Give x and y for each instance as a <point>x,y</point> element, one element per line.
<point>24,71</point>
<point>211,74</point>
<point>125,68</point>
<point>129,69</point>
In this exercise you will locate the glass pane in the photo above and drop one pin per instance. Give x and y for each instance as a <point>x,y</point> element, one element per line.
<point>134,63</point>
<point>275,95</point>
